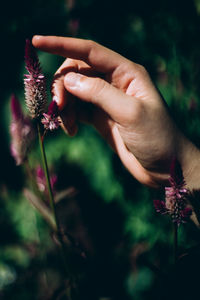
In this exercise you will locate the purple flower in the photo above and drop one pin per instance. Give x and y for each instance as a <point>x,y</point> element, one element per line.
<point>193,106</point>
<point>35,85</point>
<point>160,206</point>
<point>74,25</point>
<point>51,118</point>
<point>175,196</point>
<point>70,4</point>
<point>21,132</point>
<point>41,180</point>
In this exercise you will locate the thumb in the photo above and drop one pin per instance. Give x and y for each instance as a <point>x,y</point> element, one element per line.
<point>113,101</point>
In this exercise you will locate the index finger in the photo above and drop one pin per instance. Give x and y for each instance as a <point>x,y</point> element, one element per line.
<point>99,57</point>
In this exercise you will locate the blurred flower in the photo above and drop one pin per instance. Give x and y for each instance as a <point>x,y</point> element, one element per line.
<point>41,180</point>
<point>70,4</point>
<point>193,106</point>
<point>160,206</point>
<point>35,85</point>
<point>161,66</point>
<point>175,196</point>
<point>21,132</point>
<point>73,26</point>
<point>51,120</point>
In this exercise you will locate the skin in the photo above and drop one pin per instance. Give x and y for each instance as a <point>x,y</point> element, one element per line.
<point>101,87</point>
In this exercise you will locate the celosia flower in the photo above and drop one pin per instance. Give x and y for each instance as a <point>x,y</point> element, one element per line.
<point>41,180</point>
<point>51,120</point>
<point>35,85</point>
<point>21,132</point>
<point>160,206</point>
<point>175,197</point>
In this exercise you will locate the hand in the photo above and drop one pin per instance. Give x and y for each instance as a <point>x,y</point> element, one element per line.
<point>127,109</point>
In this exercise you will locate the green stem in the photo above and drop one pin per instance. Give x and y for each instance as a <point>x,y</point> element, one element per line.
<point>46,172</point>
<point>175,242</point>
<point>51,198</point>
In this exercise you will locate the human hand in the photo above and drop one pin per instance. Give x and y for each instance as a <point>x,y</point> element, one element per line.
<point>127,109</point>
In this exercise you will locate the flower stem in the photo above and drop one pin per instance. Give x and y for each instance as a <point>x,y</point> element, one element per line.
<point>51,198</point>
<point>46,172</point>
<point>175,242</point>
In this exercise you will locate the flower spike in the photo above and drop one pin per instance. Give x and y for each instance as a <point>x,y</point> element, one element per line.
<point>175,196</point>
<point>35,85</point>
<point>160,206</point>
<point>51,118</point>
<point>21,132</point>
<point>16,110</point>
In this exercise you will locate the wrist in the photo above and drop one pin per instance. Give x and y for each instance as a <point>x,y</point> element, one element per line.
<point>189,158</point>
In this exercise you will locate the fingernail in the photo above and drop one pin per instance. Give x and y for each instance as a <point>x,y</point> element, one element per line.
<point>37,37</point>
<point>55,98</point>
<point>73,80</point>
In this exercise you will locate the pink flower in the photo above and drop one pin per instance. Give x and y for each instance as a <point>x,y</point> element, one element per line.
<point>70,4</point>
<point>41,180</point>
<point>35,85</point>
<point>175,196</point>
<point>74,25</point>
<point>160,206</point>
<point>22,133</point>
<point>51,120</point>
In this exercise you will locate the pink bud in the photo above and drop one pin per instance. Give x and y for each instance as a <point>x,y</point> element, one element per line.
<point>15,108</point>
<point>50,120</point>
<point>21,131</point>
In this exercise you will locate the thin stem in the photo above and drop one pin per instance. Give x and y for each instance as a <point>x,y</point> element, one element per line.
<point>51,198</point>
<point>46,172</point>
<point>175,242</point>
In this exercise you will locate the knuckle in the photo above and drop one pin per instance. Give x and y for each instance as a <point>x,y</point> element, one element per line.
<point>142,70</point>
<point>97,88</point>
<point>91,44</point>
<point>92,49</point>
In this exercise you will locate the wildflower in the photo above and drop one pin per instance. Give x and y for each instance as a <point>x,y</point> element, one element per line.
<point>160,206</point>
<point>175,197</point>
<point>35,85</point>
<point>41,180</point>
<point>74,25</point>
<point>21,132</point>
<point>51,118</point>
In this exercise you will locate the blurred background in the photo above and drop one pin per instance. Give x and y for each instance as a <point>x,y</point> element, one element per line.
<point>126,247</point>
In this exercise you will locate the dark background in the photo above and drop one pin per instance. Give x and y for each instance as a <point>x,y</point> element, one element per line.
<point>128,246</point>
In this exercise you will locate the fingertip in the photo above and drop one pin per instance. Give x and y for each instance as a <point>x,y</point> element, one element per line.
<point>61,104</point>
<point>69,129</point>
<point>69,118</point>
<point>36,40</point>
<point>73,130</point>
<point>59,94</point>
<point>58,101</point>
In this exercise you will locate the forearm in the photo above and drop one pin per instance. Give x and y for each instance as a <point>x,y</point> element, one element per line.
<point>189,158</point>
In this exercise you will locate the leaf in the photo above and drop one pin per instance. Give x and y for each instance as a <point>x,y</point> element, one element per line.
<point>67,193</point>
<point>41,207</point>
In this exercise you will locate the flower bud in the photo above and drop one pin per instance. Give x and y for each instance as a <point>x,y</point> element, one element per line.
<point>34,82</point>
